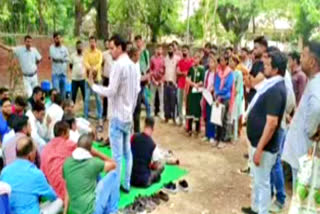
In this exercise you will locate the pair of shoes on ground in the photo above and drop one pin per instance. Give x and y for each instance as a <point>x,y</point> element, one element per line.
<point>147,204</point>
<point>172,187</point>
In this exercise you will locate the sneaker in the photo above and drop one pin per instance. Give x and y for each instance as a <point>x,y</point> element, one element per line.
<point>221,145</point>
<point>248,210</point>
<point>163,196</point>
<point>245,171</point>
<point>204,139</point>
<point>183,185</point>
<point>276,207</point>
<point>126,191</point>
<point>213,142</point>
<point>156,199</point>
<point>171,188</point>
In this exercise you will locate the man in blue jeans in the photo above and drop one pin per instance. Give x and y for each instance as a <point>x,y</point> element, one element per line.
<point>122,94</point>
<point>265,114</point>
<point>277,174</point>
<point>60,57</point>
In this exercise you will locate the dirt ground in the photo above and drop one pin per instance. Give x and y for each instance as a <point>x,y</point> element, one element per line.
<point>215,184</point>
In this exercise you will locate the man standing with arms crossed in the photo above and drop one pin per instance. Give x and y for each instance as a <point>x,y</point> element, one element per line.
<point>29,59</point>
<point>60,58</point>
<point>122,94</point>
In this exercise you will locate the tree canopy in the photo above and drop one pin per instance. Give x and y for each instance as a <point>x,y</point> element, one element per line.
<point>223,20</point>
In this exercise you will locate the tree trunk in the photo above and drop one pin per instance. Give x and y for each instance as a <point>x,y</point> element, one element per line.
<point>78,17</point>
<point>102,19</point>
<point>41,19</point>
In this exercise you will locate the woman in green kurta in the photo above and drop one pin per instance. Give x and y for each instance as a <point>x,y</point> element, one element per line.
<point>195,80</point>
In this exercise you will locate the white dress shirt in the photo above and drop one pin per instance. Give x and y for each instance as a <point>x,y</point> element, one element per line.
<point>123,89</point>
<point>55,112</point>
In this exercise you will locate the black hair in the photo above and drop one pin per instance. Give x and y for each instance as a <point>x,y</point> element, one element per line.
<point>262,41</point>
<point>26,149</point>
<point>170,45</point>
<point>6,99</point>
<point>78,42</point>
<point>58,99</point>
<point>19,123</point>
<point>314,48</point>
<point>38,106</point>
<point>279,61</point>
<point>229,48</point>
<point>69,119</point>
<point>175,42</point>
<point>137,37</point>
<point>3,90</point>
<point>92,37</point>
<point>245,50</point>
<point>36,90</point>
<point>21,101</point>
<point>56,34</point>
<point>207,45</point>
<point>294,55</point>
<point>27,37</point>
<point>85,141</point>
<point>11,120</point>
<point>52,90</point>
<point>272,49</point>
<point>60,128</point>
<point>185,46</point>
<point>105,40</point>
<point>213,46</point>
<point>149,122</point>
<point>119,41</point>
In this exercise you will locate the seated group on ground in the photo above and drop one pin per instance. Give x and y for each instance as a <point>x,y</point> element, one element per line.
<point>47,155</point>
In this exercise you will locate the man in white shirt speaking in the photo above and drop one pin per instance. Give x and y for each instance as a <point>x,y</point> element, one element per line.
<point>122,94</point>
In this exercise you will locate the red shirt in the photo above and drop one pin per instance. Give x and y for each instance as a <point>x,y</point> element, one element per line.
<point>52,158</point>
<point>184,66</point>
<point>13,110</point>
<point>157,68</point>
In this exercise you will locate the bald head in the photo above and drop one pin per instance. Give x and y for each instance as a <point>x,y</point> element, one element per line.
<point>25,148</point>
<point>85,141</point>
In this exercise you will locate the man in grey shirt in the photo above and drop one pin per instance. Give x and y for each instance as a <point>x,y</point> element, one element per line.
<point>29,59</point>
<point>60,57</point>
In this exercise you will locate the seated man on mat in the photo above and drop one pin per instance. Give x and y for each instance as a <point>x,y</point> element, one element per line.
<point>145,170</point>
<point>28,183</point>
<point>81,172</point>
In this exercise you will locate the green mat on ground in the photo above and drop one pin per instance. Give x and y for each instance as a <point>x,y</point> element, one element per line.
<point>170,173</point>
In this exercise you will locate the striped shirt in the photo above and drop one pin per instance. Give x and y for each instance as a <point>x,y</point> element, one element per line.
<point>123,89</point>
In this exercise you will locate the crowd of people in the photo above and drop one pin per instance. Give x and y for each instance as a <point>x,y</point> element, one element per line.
<point>47,150</point>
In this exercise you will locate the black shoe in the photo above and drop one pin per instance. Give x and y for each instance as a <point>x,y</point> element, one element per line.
<point>124,190</point>
<point>171,188</point>
<point>248,210</point>
<point>246,156</point>
<point>184,185</point>
<point>163,196</point>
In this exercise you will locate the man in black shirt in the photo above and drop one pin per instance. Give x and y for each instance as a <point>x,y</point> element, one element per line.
<point>37,96</point>
<point>145,171</point>
<point>265,114</point>
<point>256,74</point>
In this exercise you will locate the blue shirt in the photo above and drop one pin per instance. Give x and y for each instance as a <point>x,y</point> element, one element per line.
<point>28,184</point>
<point>27,58</point>
<point>225,92</point>
<point>60,58</point>
<point>4,128</point>
<point>304,124</point>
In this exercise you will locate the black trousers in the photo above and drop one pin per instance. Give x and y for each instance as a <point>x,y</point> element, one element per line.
<point>136,113</point>
<point>75,85</point>
<point>170,100</point>
<point>105,99</point>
